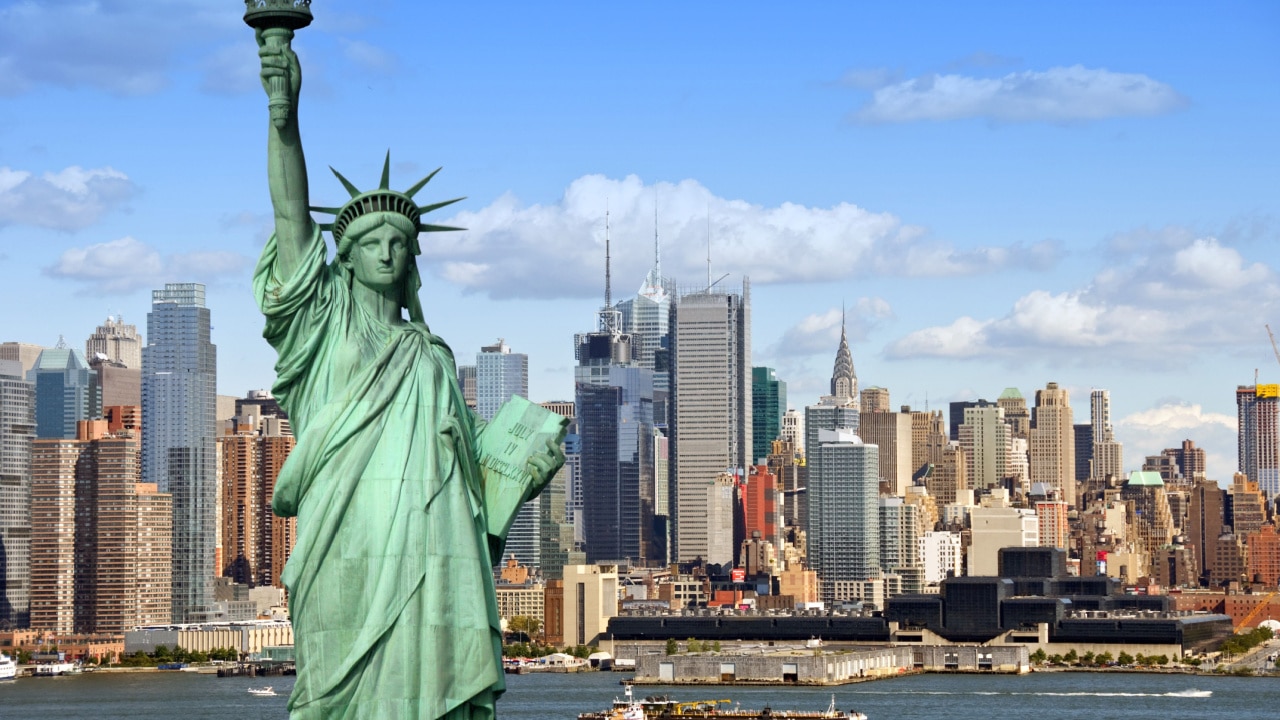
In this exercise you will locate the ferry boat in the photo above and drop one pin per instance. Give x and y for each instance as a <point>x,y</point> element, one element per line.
<point>662,707</point>
<point>8,668</point>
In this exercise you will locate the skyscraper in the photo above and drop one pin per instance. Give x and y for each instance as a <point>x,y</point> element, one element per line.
<point>1258,444</point>
<point>1204,523</point>
<point>17,430</point>
<point>837,412</point>
<point>501,375</point>
<point>647,319</point>
<point>67,391</point>
<point>768,404</point>
<point>615,422</point>
<point>891,432</point>
<point>844,516</point>
<point>1108,455</point>
<point>1052,442</point>
<point>984,435</point>
<point>710,422</point>
<point>1015,412</point>
<point>179,427</point>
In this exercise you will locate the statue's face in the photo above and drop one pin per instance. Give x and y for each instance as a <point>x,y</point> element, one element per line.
<point>379,258</point>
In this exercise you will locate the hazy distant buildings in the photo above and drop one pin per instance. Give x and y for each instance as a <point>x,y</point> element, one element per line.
<point>17,431</point>
<point>711,418</point>
<point>179,411</point>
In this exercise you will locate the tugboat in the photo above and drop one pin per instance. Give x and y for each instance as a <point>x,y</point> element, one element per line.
<point>662,707</point>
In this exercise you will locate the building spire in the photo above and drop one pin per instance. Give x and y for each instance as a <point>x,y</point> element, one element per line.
<point>844,380</point>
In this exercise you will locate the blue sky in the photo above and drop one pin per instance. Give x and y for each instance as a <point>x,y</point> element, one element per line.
<point>1002,194</point>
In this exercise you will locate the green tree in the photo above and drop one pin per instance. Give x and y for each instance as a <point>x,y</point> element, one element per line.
<point>1087,658</point>
<point>1103,659</point>
<point>525,624</point>
<point>1161,660</point>
<point>1055,659</point>
<point>161,653</point>
<point>673,647</point>
<point>1038,657</point>
<point>1071,657</point>
<point>1124,658</point>
<point>715,647</point>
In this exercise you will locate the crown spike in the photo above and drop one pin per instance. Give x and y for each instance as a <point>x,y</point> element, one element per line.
<point>414,190</point>
<point>326,210</point>
<point>352,189</point>
<point>385,184</point>
<point>436,206</point>
<point>424,227</point>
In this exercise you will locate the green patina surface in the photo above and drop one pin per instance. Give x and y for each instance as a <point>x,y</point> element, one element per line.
<point>390,584</point>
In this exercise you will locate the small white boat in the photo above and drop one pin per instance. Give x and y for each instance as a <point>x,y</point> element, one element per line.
<point>8,668</point>
<point>262,691</point>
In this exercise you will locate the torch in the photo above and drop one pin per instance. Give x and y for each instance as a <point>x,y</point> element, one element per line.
<point>277,19</point>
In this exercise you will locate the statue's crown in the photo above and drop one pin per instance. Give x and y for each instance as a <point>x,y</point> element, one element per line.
<point>383,199</point>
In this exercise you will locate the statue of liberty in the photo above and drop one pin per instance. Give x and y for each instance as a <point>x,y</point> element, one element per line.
<point>402,497</point>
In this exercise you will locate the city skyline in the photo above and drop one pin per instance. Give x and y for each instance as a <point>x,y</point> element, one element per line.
<point>986,226</point>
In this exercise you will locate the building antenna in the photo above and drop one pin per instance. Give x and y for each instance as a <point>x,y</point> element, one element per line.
<point>657,249</point>
<point>708,247</point>
<point>608,295</point>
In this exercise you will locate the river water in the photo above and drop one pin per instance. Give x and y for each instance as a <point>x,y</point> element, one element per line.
<point>1041,696</point>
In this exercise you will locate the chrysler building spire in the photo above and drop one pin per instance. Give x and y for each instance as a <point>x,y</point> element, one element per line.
<point>844,381</point>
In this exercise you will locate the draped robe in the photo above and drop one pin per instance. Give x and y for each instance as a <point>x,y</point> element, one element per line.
<point>390,585</point>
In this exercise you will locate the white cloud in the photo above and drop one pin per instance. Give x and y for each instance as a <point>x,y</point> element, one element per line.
<point>1162,306</point>
<point>124,265</point>
<point>819,333</point>
<point>1166,425</point>
<point>70,199</point>
<point>232,70</point>
<point>1059,94</point>
<point>557,250</point>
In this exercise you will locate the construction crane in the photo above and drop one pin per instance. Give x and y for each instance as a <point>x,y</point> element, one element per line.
<point>1266,602</point>
<point>1274,348</point>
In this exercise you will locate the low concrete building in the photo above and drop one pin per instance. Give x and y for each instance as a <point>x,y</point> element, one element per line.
<point>800,667</point>
<point>248,638</point>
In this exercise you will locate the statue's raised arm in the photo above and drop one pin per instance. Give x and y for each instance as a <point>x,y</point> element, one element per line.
<point>286,166</point>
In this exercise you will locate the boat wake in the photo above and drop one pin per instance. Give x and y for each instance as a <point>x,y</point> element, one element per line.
<point>1191,693</point>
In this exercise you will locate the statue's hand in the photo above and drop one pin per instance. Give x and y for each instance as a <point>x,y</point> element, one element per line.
<point>543,465</point>
<point>279,61</point>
